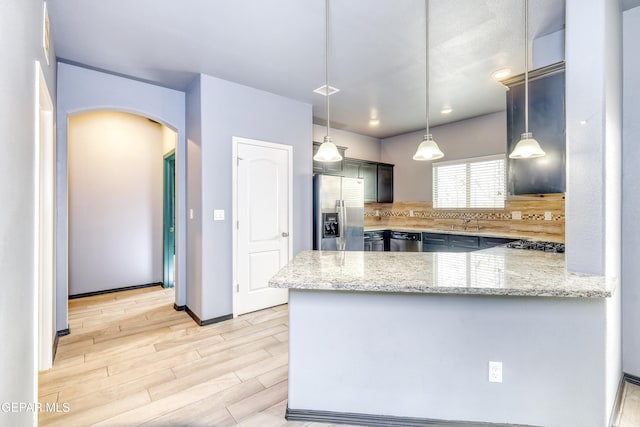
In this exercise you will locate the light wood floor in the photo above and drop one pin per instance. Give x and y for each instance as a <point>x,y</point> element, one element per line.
<point>630,411</point>
<point>131,360</point>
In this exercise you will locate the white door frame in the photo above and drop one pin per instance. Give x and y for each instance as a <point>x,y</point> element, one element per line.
<point>44,271</point>
<point>234,182</point>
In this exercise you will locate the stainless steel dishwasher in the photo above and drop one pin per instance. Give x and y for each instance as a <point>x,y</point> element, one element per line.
<point>402,241</point>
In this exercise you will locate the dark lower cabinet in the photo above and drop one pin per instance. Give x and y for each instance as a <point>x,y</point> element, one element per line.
<point>432,242</point>
<point>374,241</point>
<point>435,242</point>
<point>464,243</point>
<point>490,242</point>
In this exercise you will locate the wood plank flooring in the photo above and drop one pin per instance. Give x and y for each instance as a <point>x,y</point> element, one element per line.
<point>630,411</point>
<point>132,360</point>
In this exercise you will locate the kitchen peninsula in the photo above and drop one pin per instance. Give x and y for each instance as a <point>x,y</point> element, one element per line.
<point>406,338</point>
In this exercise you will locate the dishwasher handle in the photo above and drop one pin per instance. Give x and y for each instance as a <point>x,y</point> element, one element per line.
<point>402,235</point>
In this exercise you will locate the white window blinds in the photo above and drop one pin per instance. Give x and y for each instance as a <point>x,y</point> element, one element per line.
<point>470,183</point>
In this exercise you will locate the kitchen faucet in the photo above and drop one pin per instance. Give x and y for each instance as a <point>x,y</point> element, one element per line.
<point>465,223</point>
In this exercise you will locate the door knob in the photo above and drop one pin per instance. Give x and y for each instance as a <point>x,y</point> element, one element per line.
<point>285,234</point>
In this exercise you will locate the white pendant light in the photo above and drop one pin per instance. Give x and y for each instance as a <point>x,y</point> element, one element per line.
<point>327,152</point>
<point>428,148</point>
<point>527,147</point>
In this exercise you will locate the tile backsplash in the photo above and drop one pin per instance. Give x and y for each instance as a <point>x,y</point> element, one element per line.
<point>541,218</point>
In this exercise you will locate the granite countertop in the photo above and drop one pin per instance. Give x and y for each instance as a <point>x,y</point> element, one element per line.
<point>495,271</point>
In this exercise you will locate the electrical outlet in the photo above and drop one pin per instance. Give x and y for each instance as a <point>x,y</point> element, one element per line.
<point>516,215</point>
<point>495,372</point>
<point>410,213</point>
<point>548,216</point>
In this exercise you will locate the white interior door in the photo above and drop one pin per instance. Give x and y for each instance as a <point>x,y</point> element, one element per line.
<point>263,228</point>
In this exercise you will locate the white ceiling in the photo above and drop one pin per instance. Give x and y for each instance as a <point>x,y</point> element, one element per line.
<point>377,50</point>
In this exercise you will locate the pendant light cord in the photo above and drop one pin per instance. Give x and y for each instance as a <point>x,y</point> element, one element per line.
<point>426,68</point>
<point>526,66</point>
<point>326,63</point>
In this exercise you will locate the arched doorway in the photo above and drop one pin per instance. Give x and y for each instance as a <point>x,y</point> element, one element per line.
<point>116,207</point>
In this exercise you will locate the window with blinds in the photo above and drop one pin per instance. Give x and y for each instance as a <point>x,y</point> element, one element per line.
<point>470,183</point>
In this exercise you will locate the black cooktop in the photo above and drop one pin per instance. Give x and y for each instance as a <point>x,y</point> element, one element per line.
<point>537,246</point>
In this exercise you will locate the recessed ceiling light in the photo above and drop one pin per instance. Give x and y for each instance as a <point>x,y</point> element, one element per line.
<point>322,90</point>
<point>374,122</point>
<point>501,73</point>
<point>446,110</point>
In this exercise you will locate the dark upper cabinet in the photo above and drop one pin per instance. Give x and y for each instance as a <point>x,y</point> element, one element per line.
<point>367,171</point>
<point>328,168</point>
<point>385,183</point>
<point>547,123</point>
<point>378,177</point>
<point>352,168</point>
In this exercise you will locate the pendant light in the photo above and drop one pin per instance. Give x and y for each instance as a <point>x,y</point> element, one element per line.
<point>428,148</point>
<point>327,152</point>
<point>527,147</point>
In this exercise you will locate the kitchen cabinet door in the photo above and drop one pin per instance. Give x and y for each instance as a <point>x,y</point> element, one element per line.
<point>491,242</point>
<point>352,168</point>
<point>432,242</point>
<point>466,242</point>
<point>370,176</point>
<point>385,183</point>
<point>542,175</point>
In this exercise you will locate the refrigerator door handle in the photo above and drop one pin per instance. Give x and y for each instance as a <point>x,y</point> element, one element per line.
<point>342,222</point>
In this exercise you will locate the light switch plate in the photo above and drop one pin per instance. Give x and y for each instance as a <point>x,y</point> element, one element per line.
<point>548,216</point>
<point>218,215</point>
<point>516,215</point>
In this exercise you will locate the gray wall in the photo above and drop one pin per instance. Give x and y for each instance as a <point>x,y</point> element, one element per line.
<point>115,201</point>
<point>194,196</point>
<point>412,180</point>
<point>631,196</point>
<point>427,356</point>
<point>227,110</point>
<point>21,45</point>
<point>593,205</point>
<point>83,90</point>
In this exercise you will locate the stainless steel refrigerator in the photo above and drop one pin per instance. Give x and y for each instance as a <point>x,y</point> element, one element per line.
<point>338,213</point>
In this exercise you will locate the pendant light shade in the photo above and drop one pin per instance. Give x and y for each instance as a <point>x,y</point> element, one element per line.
<point>527,147</point>
<point>327,152</point>
<point>428,148</point>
